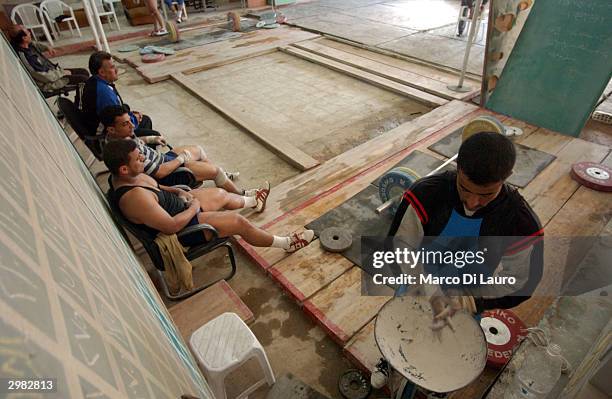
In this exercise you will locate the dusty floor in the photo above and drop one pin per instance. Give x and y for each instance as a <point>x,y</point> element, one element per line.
<point>322,112</point>
<point>424,29</point>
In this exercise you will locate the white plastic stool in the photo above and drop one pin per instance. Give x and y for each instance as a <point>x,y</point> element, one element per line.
<point>221,346</point>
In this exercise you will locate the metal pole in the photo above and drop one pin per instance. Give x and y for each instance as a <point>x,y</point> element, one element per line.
<point>91,22</point>
<point>98,23</point>
<point>475,15</point>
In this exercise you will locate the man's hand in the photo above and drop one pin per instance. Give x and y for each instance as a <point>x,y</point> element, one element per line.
<point>195,203</point>
<point>138,116</point>
<point>158,140</point>
<point>185,196</point>
<point>444,308</point>
<point>51,52</point>
<point>185,156</point>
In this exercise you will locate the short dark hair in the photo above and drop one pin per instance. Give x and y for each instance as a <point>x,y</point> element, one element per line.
<point>117,153</point>
<point>17,36</point>
<point>110,113</point>
<point>486,158</point>
<point>96,60</point>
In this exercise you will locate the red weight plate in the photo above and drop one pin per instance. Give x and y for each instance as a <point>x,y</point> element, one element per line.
<point>593,175</point>
<point>149,58</point>
<point>503,331</point>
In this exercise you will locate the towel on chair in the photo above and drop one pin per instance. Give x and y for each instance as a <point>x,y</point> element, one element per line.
<point>178,268</point>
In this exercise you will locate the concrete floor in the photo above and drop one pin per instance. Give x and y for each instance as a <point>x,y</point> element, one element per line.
<point>423,29</point>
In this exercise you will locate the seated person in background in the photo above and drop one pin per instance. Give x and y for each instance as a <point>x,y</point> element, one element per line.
<point>100,92</point>
<point>118,125</point>
<point>177,8</point>
<point>47,75</point>
<point>169,209</point>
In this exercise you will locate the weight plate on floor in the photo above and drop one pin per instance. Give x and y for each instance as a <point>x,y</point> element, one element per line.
<point>353,385</point>
<point>162,50</point>
<point>483,123</point>
<point>593,175</point>
<point>335,239</point>
<point>173,32</point>
<point>394,183</point>
<point>150,58</point>
<point>503,331</point>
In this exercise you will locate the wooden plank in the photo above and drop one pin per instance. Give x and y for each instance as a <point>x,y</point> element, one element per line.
<point>250,123</point>
<point>308,270</point>
<point>398,88</point>
<point>344,189</point>
<point>443,76</point>
<point>386,71</point>
<point>307,187</point>
<point>552,188</point>
<point>362,348</point>
<point>341,309</point>
<point>195,311</point>
<point>219,53</point>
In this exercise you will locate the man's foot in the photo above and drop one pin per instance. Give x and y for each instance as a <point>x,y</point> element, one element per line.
<point>261,195</point>
<point>179,20</point>
<point>233,176</point>
<point>300,240</point>
<point>160,32</point>
<point>380,374</point>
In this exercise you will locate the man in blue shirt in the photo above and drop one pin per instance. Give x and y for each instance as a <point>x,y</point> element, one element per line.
<point>100,92</point>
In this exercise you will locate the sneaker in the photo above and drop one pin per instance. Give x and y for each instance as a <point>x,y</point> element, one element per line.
<point>300,240</point>
<point>234,176</point>
<point>160,32</point>
<point>380,375</point>
<point>261,196</point>
<point>179,20</point>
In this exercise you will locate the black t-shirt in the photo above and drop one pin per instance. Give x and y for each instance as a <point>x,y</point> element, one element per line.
<point>436,202</point>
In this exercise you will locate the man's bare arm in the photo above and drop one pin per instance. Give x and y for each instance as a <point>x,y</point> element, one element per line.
<point>139,206</point>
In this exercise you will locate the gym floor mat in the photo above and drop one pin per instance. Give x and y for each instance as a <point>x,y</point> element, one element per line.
<point>358,214</point>
<point>529,162</point>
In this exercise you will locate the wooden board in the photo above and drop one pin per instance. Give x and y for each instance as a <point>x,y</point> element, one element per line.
<point>341,309</point>
<point>250,123</point>
<point>398,88</point>
<point>301,277</point>
<point>362,348</point>
<point>194,312</point>
<point>342,177</point>
<point>387,71</point>
<point>197,59</point>
<point>398,61</point>
<point>298,192</point>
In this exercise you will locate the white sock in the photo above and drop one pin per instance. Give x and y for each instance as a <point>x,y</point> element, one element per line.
<point>180,12</point>
<point>281,242</point>
<point>250,202</point>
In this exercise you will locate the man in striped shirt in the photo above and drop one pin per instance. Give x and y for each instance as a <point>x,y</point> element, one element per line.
<point>119,126</point>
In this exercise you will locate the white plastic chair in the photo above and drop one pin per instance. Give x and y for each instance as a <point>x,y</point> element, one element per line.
<point>55,8</point>
<point>102,12</point>
<point>31,17</point>
<point>221,346</point>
